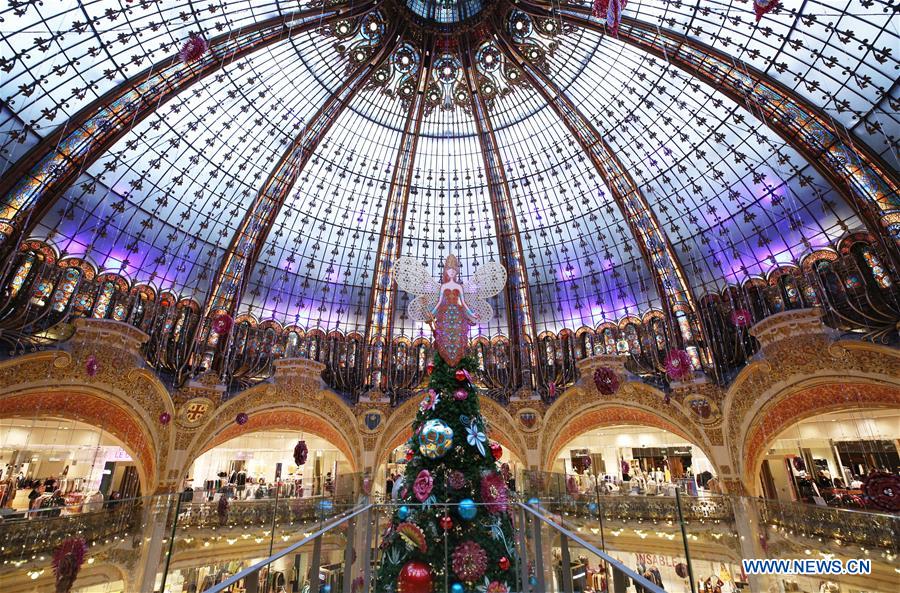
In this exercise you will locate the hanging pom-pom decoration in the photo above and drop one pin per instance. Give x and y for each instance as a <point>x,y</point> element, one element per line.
<point>301,451</point>
<point>193,49</point>
<point>762,7</point>
<point>91,366</point>
<point>741,318</point>
<point>67,561</point>
<point>241,418</point>
<point>606,380</point>
<point>165,418</point>
<point>611,10</point>
<point>678,365</point>
<point>882,490</point>
<point>222,323</point>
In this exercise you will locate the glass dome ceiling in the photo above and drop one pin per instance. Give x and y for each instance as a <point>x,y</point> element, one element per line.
<point>488,144</point>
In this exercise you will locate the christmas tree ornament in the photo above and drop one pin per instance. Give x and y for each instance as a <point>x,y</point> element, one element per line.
<point>882,490</point>
<point>496,587</point>
<point>496,451</point>
<point>606,380</point>
<point>429,368</point>
<point>469,561</point>
<point>165,418</point>
<point>678,365</point>
<point>423,485</point>
<point>503,563</point>
<point>474,434</point>
<point>301,452</point>
<point>413,536</point>
<point>435,439</point>
<point>448,306</point>
<point>762,7</point>
<point>241,418</point>
<point>460,395</point>
<point>409,454</point>
<point>467,509</point>
<point>403,513</point>
<point>456,480</point>
<point>415,577</point>
<point>91,366</point>
<point>430,400</point>
<point>611,11</point>
<point>461,374</point>
<point>222,324</point>
<point>551,390</point>
<point>457,588</point>
<point>494,493</point>
<point>446,523</point>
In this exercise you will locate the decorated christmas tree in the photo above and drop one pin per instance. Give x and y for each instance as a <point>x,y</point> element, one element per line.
<point>452,530</point>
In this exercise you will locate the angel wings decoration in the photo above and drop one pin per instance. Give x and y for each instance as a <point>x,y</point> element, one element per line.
<point>450,307</point>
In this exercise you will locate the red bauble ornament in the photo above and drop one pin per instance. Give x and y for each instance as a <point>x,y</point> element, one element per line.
<point>164,418</point>
<point>678,365</point>
<point>446,523</point>
<point>409,454</point>
<point>222,323</point>
<point>429,368</point>
<point>460,375</point>
<point>503,563</point>
<point>496,451</point>
<point>415,577</point>
<point>91,366</point>
<point>741,318</point>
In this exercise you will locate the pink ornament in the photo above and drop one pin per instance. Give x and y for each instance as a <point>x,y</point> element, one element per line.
<point>241,418</point>
<point>91,366</point>
<point>611,10</point>
<point>497,586</point>
<point>67,561</point>
<point>741,318</point>
<point>423,485</point>
<point>165,418</point>
<point>551,389</point>
<point>222,324</point>
<point>429,368</point>
<point>469,562</point>
<point>460,394</point>
<point>494,493</point>
<point>678,365</point>
<point>606,380</point>
<point>430,400</point>
<point>193,49</point>
<point>762,7</point>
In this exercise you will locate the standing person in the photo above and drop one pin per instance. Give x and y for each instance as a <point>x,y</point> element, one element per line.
<point>389,485</point>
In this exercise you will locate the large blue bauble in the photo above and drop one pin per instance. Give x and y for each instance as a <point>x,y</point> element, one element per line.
<point>403,513</point>
<point>326,588</point>
<point>435,439</point>
<point>467,509</point>
<point>534,502</point>
<point>457,588</point>
<point>532,580</point>
<point>592,507</point>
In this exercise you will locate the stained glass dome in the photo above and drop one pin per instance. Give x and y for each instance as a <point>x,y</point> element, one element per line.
<point>271,159</point>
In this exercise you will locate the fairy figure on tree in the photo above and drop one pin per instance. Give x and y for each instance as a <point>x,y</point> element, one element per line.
<point>455,490</point>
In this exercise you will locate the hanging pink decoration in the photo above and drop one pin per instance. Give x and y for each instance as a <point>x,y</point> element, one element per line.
<point>611,10</point>
<point>165,418</point>
<point>423,485</point>
<point>678,365</point>
<point>193,49</point>
<point>301,451</point>
<point>222,323</point>
<point>91,366</point>
<point>762,7</point>
<point>469,561</point>
<point>460,394</point>
<point>741,318</point>
<point>67,561</point>
<point>241,418</point>
<point>606,380</point>
<point>551,390</point>
<point>882,489</point>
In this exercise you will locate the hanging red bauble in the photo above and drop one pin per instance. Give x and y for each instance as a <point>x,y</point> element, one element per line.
<point>503,563</point>
<point>446,523</point>
<point>241,418</point>
<point>193,49</point>
<point>429,368</point>
<point>301,452</point>
<point>496,451</point>
<point>91,366</point>
<point>460,374</point>
<point>409,454</point>
<point>415,577</point>
<point>678,365</point>
<point>606,380</point>
<point>67,561</point>
<point>741,318</point>
<point>164,418</point>
<point>222,323</point>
